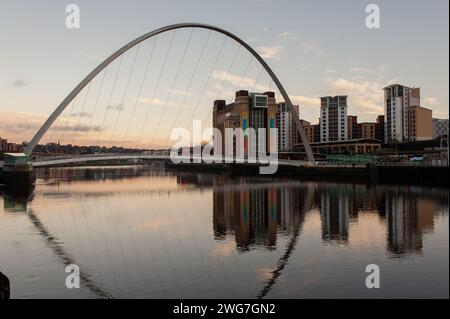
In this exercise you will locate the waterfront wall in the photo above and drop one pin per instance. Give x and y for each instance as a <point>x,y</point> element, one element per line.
<point>420,175</point>
<point>423,175</point>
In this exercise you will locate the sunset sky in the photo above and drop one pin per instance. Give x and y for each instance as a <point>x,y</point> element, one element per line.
<point>316,48</point>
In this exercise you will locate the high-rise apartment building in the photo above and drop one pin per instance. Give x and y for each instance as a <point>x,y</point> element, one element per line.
<point>333,118</point>
<point>398,100</point>
<point>312,132</point>
<point>287,130</point>
<point>368,130</point>
<point>353,130</point>
<point>379,128</point>
<point>421,127</point>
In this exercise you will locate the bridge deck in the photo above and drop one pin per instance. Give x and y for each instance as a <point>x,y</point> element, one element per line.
<point>61,160</point>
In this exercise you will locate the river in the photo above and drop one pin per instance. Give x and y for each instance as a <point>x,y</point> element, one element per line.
<point>143,232</point>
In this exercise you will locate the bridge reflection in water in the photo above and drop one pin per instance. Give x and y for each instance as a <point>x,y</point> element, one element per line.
<point>263,230</point>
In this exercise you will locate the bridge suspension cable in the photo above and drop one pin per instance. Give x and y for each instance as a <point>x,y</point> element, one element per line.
<point>219,53</point>
<point>257,79</point>
<point>200,57</point>
<point>140,90</point>
<point>66,127</point>
<point>81,113</point>
<point>156,86</point>
<point>108,106</point>
<point>119,111</point>
<point>222,85</point>
<point>95,105</point>
<point>58,123</point>
<point>169,95</point>
<point>244,73</point>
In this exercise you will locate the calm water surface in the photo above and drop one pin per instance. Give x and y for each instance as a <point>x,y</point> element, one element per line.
<point>145,233</point>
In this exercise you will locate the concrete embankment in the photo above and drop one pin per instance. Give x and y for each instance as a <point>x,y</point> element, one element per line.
<point>421,175</point>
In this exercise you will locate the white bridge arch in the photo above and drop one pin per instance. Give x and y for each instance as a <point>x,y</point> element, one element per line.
<point>52,118</point>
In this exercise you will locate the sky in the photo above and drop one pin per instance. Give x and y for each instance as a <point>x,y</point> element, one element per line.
<point>316,48</point>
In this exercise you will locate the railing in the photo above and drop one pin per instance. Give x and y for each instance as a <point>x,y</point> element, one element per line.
<point>341,165</point>
<point>412,164</point>
<point>52,158</point>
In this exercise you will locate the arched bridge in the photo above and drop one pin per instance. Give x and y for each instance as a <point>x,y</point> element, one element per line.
<point>63,105</point>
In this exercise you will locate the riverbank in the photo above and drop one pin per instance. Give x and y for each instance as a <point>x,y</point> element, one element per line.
<point>419,175</point>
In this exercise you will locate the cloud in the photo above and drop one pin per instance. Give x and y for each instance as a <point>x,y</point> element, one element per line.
<point>11,128</point>
<point>311,47</point>
<point>307,66</point>
<point>432,102</point>
<point>365,96</point>
<point>165,103</point>
<point>304,101</point>
<point>16,122</point>
<point>21,83</point>
<point>270,52</point>
<point>250,84</point>
<point>392,81</point>
<point>238,81</point>
<point>361,70</point>
<point>440,114</point>
<point>76,128</point>
<point>220,92</point>
<point>289,36</point>
<point>116,107</point>
<point>181,93</point>
<point>82,114</point>
<point>286,34</point>
<point>19,127</point>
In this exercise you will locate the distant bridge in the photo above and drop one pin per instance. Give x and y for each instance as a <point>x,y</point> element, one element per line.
<point>74,159</point>
<point>63,160</point>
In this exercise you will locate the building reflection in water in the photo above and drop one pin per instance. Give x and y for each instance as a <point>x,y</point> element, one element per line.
<point>334,213</point>
<point>250,213</point>
<point>255,211</point>
<point>409,217</point>
<point>93,173</point>
<point>16,200</point>
<point>4,287</point>
<point>407,212</point>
